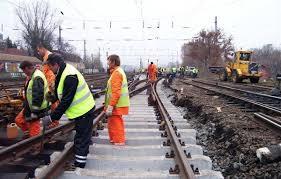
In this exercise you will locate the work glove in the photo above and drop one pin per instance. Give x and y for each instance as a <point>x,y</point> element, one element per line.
<point>109,110</point>
<point>51,97</point>
<point>46,120</point>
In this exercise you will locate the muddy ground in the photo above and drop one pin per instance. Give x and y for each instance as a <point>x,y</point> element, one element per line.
<point>228,135</point>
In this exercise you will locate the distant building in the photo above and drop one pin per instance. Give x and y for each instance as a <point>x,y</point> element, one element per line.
<point>9,65</point>
<point>14,51</point>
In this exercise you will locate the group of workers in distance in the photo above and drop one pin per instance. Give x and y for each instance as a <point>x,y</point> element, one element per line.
<point>153,72</point>
<point>61,89</point>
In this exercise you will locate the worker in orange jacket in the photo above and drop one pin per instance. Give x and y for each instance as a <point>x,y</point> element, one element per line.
<point>50,76</point>
<point>152,72</point>
<point>116,101</point>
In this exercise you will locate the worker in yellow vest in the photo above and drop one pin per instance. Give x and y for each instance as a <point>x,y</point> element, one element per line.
<point>35,104</point>
<point>76,101</point>
<point>116,101</point>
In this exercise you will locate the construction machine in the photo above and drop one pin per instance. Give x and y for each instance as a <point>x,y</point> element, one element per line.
<point>241,68</point>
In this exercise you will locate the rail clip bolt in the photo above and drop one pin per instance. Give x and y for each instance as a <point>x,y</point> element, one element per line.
<point>168,142</point>
<point>172,155</point>
<point>176,170</point>
<point>196,172</point>
<point>165,134</point>
<point>188,155</point>
<point>192,167</point>
<point>161,128</point>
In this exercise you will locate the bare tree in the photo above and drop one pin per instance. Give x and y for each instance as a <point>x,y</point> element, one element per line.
<point>98,63</point>
<point>39,23</point>
<point>270,59</point>
<point>209,48</point>
<point>65,46</point>
<point>94,62</point>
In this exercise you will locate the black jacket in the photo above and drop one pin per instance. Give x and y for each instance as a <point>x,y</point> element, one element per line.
<point>69,90</point>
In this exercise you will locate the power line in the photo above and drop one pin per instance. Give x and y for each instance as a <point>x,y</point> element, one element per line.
<point>15,4</point>
<point>73,7</point>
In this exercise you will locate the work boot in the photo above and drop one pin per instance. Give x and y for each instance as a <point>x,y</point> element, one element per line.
<point>80,165</point>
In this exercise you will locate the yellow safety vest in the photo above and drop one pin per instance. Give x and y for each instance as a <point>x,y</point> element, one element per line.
<point>124,100</point>
<point>83,100</point>
<point>45,104</point>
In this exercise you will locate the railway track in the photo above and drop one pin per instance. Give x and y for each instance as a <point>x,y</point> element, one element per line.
<point>244,85</point>
<point>160,144</point>
<point>151,151</point>
<point>265,107</point>
<point>20,84</point>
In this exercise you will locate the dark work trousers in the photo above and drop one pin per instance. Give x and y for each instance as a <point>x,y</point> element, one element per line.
<point>82,139</point>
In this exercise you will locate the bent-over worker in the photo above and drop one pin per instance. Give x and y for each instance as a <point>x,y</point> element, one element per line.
<point>35,104</point>
<point>76,101</point>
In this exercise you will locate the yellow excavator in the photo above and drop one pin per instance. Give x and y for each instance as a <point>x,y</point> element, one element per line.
<point>241,68</point>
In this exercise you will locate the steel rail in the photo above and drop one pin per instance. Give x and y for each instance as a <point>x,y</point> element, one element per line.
<point>180,155</point>
<point>265,107</point>
<point>269,120</point>
<point>240,90</point>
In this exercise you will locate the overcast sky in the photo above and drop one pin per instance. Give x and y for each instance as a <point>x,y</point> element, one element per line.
<point>252,23</point>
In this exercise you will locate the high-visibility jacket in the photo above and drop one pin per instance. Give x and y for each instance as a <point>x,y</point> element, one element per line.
<point>124,100</point>
<point>45,104</point>
<point>49,74</point>
<point>83,100</point>
<point>152,69</point>
<point>174,70</point>
<point>195,71</point>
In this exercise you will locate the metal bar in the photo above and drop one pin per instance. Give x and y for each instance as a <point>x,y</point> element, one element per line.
<point>268,120</point>
<point>240,90</point>
<point>260,105</point>
<point>187,171</point>
<point>55,168</point>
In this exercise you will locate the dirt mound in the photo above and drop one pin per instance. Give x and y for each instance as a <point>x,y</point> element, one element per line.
<point>228,135</point>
